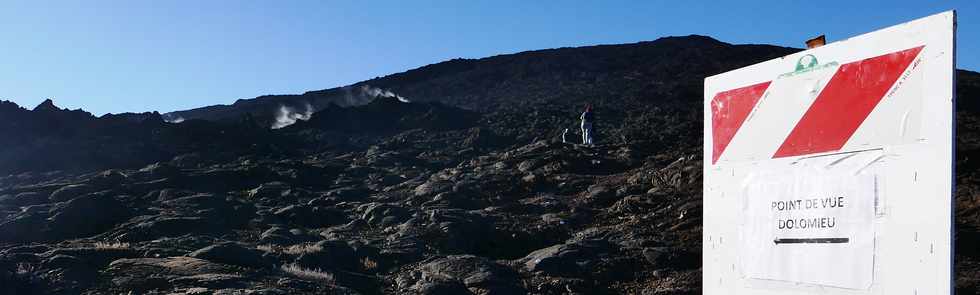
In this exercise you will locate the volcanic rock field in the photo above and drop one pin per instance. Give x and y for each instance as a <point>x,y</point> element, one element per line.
<point>447,179</point>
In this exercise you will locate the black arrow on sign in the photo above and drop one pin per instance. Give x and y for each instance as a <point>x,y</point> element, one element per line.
<point>812,241</point>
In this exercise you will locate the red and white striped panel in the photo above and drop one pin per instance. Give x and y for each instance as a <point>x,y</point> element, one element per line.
<point>828,109</point>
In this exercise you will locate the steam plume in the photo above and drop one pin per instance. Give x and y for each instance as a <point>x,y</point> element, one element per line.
<point>287,116</point>
<point>365,94</point>
<point>171,118</point>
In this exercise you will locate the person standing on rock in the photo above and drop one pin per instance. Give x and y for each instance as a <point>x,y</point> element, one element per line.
<point>587,119</point>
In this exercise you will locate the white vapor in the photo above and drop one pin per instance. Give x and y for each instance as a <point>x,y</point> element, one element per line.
<point>372,92</point>
<point>364,94</point>
<point>287,116</point>
<point>169,118</point>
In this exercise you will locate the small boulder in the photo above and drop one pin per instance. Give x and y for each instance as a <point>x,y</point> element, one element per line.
<point>231,253</point>
<point>460,232</point>
<point>86,215</point>
<point>571,259</point>
<point>348,193</point>
<point>168,227</point>
<point>24,199</point>
<point>442,287</point>
<point>600,195</point>
<point>71,191</point>
<point>433,187</point>
<point>272,190</point>
<point>277,236</point>
<point>159,170</point>
<point>145,274</point>
<point>329,255</point>
<point>461,274</point>
<point>108,179</point>
<point>309,216</point>
<point>217,208</point>
<point>24,227</point>
<point>382,214</point>
<point>670,257</point>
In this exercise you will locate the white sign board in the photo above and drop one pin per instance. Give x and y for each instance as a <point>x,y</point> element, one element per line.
<point>830,171</point>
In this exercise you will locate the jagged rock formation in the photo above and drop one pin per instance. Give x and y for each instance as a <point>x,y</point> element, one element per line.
<point>467,189</point>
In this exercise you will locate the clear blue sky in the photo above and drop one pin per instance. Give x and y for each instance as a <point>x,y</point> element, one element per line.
<point>119,56</point>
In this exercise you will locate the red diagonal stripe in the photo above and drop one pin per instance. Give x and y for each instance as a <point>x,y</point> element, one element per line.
<point>729,109</point>
<point>847,100</point>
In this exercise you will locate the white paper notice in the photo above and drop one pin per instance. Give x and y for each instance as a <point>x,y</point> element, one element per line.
<point>813,228</point>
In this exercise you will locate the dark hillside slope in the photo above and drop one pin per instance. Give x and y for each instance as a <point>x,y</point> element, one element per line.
<point>48,138</point>
<point>644,72</point>
<point>387,116</point>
